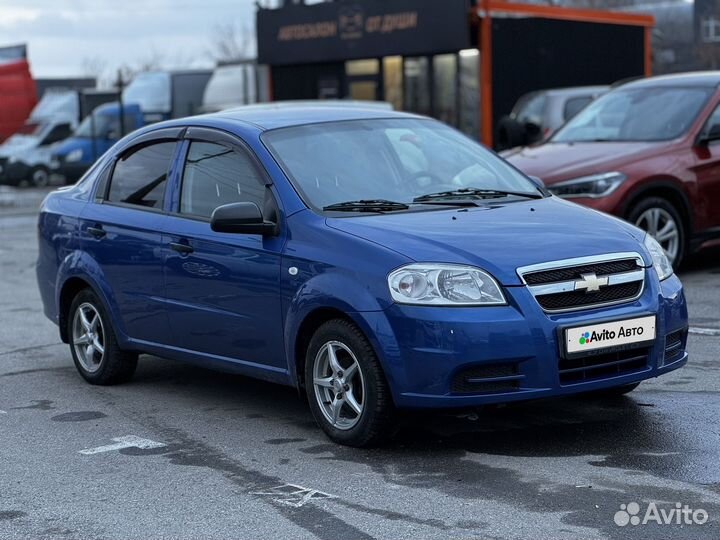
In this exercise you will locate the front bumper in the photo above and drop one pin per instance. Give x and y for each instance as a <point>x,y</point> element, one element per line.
<point>424,350</point>
<point>14,173</point>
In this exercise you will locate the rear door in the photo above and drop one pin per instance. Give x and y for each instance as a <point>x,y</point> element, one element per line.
<point>121,230</point>
<point>223,289</point>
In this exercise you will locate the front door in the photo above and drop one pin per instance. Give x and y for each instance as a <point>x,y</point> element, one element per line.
<point>223,289</point>
<point>707,172</point>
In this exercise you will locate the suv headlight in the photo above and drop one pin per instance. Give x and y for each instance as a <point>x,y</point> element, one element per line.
<point>592,186</point>
<point>74,155</point>
<point>444,285</point>
<point>661,263</point>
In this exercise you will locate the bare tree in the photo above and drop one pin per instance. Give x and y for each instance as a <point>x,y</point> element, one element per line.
<point>231,41</point>
<point>93,66</point>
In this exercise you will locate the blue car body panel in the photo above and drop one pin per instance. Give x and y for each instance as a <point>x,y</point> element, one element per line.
<point>234,304</point>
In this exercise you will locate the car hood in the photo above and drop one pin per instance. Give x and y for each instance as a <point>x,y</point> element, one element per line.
<point>17,144</point>
<point>498,237</point>
<point>555,162</point>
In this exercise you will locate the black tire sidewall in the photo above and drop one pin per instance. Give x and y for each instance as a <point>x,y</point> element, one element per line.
<point>659,202</point>
<point>114,361</point>
<point>377,405</point>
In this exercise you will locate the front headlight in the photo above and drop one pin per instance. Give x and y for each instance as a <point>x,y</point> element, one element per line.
<point>592,186</point>
<point>13,159</point>
<point>74,155</point>
<point>661,263</point>
<point>444,285</point>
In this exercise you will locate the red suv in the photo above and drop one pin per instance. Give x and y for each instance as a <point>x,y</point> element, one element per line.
<point>649,152</point>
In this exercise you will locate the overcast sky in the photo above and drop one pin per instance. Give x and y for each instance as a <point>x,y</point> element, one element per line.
<point>63,34</point>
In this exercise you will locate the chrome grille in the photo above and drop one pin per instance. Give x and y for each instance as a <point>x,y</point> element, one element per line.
<point>585,282</point>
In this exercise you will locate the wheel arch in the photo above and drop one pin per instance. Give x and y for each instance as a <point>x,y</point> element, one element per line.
<point>666,188</point>
<point>70,289</point>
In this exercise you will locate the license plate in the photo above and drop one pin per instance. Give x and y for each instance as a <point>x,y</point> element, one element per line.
<point>615,334</point>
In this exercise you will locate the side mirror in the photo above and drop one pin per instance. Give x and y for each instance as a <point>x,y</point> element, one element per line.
<point>713,134</point>
<point>243,218</point>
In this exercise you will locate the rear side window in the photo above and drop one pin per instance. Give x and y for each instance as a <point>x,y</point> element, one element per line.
<point>140,177</point>
<point>216,175</point>
<point>574,106</point>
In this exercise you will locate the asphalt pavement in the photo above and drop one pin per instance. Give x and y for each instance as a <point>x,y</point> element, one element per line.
<point>184,452</point>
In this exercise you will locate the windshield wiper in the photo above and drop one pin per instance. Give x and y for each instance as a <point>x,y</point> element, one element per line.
<point>371,205</point>
<point>473,193</point>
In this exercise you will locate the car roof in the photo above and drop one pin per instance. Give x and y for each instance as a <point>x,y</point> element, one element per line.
<point>269,117</point>
<point>577,90</point>
<point>704,79</point>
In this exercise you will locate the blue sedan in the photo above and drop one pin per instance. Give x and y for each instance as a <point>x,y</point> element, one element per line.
<point>376,260</point>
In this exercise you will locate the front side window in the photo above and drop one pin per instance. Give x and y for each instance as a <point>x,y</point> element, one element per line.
<point>398,160</point>
<point>140,177</point>
<point>574,106</point>
<point>216,175</point>
<point>636,114</point>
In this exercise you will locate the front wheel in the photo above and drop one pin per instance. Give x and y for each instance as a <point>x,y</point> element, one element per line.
<point>346,388</point>
<point>40,177</point>
<point>93,345</point>
<point>661,220</point>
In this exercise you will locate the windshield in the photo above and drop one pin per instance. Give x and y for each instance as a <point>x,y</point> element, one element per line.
<point>396,160</point>
<point>636,114</point>
<point>104,123</point>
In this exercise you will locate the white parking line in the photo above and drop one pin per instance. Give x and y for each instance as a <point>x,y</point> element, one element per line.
<point>128,441</point>
<point>705,331</point>
<point>3,412</point>
<point>293,495</point>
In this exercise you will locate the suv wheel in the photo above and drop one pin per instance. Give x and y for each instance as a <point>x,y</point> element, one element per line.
<point>93,344</point>
<point>346,388</point>
<point>662,221</point>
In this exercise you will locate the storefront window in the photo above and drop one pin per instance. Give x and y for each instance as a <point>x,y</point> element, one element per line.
<point>392,75</point>
<point>445,88</point>
<point>370,66</point>
<point>417,87</point>
<point>470,92</point>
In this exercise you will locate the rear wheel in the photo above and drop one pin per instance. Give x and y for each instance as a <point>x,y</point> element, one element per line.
<point>93,344</point>
<point>661,220</point>
<point>346,388</point>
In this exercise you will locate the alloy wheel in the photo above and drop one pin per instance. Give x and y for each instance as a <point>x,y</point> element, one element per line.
<point>339,385</point>
<point>88,337</point>
<point>661,225</point>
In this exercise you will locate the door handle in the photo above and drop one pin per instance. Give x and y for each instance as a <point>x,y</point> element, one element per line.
<point>97,232</point>
<point>182,249</point>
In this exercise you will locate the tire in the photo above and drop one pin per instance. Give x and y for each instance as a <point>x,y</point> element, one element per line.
<point>93,344</point>
<point>39,177</point>
<point>367,386</point>
<point>615,391</point>
<point>641,215</point>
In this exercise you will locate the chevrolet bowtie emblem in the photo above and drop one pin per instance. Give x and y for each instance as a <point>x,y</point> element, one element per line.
<point>591,283</point>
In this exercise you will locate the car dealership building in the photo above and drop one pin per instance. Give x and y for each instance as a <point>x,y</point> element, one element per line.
<point>461,61</point>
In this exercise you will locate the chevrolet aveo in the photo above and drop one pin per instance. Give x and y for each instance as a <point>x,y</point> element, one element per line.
<point>375,260</point>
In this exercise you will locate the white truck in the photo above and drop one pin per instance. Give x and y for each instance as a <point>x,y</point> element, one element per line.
<point>25,156</point>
